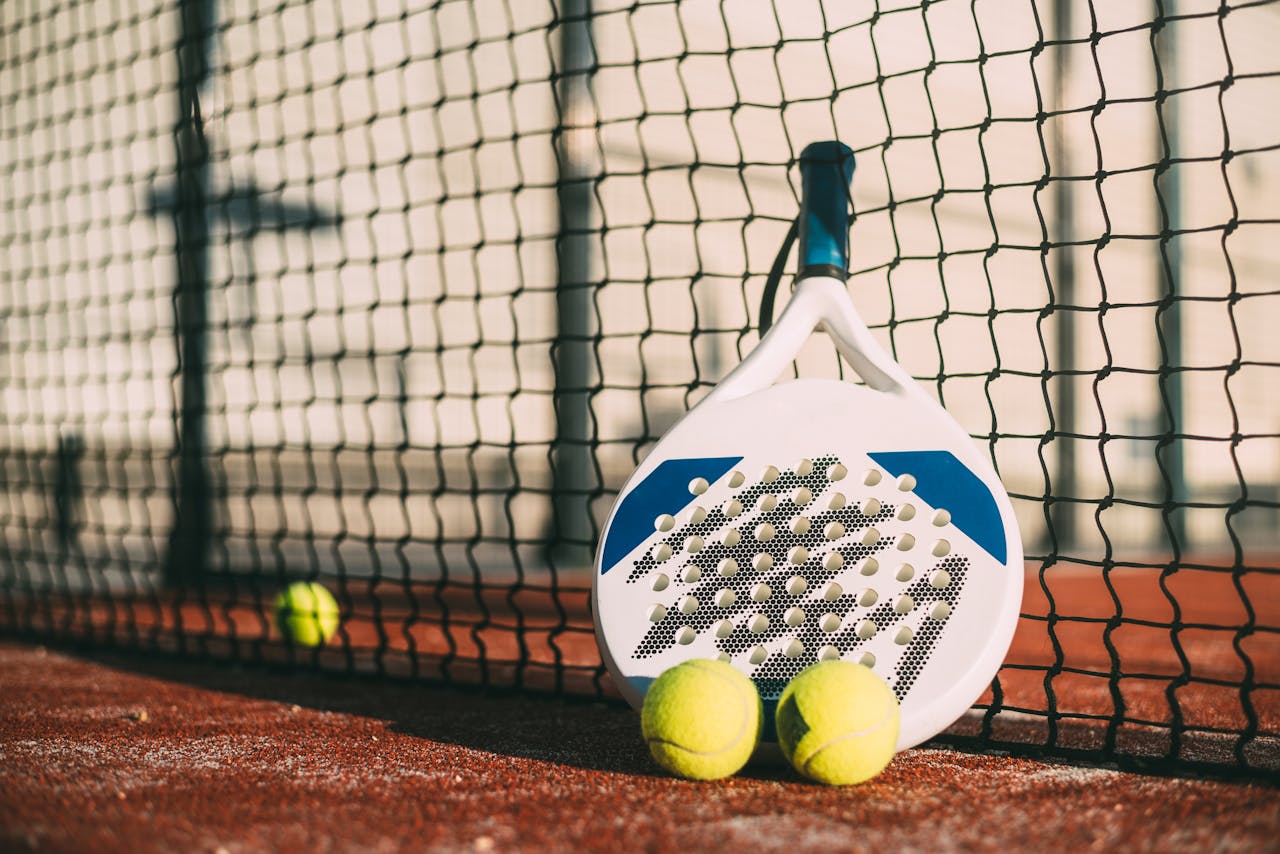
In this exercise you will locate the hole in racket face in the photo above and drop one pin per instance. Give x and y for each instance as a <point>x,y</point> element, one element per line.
<point>809,561</point>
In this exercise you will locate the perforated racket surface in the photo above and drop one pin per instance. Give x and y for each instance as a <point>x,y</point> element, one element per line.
<point>781,524</point>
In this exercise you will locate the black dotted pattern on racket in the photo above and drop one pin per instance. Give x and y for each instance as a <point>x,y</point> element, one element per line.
<point>922,644</point>
<point>772,675</point>
<point>778,669</point>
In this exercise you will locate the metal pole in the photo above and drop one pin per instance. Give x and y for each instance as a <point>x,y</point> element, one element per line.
<point>1064,273</point>
<point>573,465</point>
<point>189,540</point>
<point>1169,318</point>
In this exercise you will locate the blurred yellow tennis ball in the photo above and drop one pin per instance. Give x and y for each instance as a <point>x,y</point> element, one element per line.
<point>307,613</point>
<point>701,719</point>
<point>838,723</point>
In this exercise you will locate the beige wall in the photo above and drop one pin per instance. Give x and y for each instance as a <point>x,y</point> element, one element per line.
<point>701,107</point>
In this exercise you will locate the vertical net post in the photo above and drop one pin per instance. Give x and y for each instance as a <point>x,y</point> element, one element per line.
<point>572,459</point>
<point>1064,293</point>
<point>1169,314</point>
<point>188,543</point>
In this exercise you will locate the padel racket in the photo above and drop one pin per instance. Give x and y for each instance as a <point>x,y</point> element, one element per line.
<point>783,523</point>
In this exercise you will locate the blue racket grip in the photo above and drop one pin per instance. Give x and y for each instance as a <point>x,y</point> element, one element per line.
<point>826,169</point>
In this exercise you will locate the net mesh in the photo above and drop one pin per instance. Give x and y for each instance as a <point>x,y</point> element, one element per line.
<point>394,296</point>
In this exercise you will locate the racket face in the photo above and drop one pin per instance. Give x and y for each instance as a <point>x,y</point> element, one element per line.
<point>813,520</point>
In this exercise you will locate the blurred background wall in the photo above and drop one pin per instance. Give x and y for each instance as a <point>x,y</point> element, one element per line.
<point>384,198</point>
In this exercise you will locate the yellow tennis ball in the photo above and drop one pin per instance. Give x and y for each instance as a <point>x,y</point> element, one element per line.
<point>307,613</point>
<point>838,723</point>
<point>702,719</point>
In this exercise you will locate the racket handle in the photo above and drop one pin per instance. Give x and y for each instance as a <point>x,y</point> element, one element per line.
<point>826,168</point>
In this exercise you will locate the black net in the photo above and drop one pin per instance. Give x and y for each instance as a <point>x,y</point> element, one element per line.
<point>393,297</point>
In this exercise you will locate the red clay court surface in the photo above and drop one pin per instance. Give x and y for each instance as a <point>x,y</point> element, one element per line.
<point>1129,646</point>
<point>130,753</point>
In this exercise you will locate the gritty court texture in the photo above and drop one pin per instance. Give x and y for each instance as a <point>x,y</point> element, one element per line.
<point>108,752</point>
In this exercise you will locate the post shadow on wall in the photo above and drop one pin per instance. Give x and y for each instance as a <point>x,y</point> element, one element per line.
<point>245,210</point>
<point>68,489</point>
<point>574,475</point>
<point>192,206</point>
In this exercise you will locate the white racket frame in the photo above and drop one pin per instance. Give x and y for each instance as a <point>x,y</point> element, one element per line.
<point>823,302</point>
